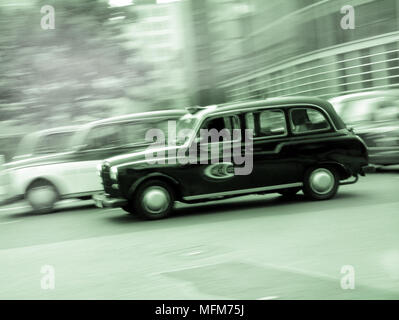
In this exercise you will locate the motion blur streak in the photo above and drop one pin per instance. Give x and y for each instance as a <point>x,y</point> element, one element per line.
<point>104,61</point>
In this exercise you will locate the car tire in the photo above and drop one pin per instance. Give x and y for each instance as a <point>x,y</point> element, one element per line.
<point>321,183</point>
<point>42,196</point>
<point>289,193</point>
<point>153,200</point>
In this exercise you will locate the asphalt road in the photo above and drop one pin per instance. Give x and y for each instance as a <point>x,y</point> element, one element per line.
<point>254,247</point>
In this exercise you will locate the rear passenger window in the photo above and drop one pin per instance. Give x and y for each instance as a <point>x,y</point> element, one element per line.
<point>307,120</point>
<point>53,143</point>
<point>105,136</point>
<point>272,123</point>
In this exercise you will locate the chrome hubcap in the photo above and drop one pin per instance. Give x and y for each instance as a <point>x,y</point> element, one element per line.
<point>322,181</point>
<point>156,199</point>
<point>42,196</point>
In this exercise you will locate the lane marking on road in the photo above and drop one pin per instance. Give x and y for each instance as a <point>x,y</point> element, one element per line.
<point>309,273</point>
<point>305,272</point>
<point>2,223</point>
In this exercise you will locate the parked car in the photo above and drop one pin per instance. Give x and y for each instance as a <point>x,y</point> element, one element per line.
<point>296,143</point>
<point>44,142</point>
<point>43,180</point>
<point>375,117</point>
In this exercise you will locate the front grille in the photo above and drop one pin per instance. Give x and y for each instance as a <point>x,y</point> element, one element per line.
<point>106,180</point>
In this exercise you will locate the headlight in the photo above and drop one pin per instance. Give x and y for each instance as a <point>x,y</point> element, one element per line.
<point>114,173</point>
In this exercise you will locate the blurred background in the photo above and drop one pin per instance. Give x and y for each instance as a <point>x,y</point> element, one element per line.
<point>106,58</point>
<point>113,57</point>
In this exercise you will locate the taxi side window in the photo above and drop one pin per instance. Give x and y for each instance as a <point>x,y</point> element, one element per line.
<point>228,122</point>
<point>106,136</point>
<point>216,123</point>
<point>267,123</point>
<point>305,120</point>
<point>272,123</point>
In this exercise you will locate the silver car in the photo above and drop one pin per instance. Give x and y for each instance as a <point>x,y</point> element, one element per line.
<point>374,116</point>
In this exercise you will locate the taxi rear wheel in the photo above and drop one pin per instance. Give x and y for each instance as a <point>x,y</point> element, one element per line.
<point>42,196</point>
<point>154,199</point>
<point>321,183</point>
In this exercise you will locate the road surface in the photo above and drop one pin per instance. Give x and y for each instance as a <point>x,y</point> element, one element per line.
<point>253,247</point>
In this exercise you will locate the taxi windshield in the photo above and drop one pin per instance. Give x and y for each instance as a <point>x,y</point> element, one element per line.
<point>185,128</point>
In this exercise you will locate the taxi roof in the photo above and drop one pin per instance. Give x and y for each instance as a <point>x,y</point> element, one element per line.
<point>288,101</point>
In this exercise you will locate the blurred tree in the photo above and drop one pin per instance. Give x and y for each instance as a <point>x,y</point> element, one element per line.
<point>55,72</point>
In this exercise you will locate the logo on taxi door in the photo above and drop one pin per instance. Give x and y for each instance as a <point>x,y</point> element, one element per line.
<point>223,170</point>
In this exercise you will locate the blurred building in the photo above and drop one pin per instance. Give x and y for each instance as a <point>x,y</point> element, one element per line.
<point>258,48</point>
<point>157,37</point>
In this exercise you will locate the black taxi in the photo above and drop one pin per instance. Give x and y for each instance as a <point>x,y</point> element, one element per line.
<point>280,145</point>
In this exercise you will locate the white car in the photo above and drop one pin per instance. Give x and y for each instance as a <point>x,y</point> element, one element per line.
<point>43,180</point>
<point>44,142</point>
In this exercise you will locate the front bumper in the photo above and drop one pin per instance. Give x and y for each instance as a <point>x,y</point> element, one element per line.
<point>102,200</point>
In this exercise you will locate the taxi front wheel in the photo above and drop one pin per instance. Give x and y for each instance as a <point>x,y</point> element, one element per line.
<point>154,199</point>
<point>321,183</point>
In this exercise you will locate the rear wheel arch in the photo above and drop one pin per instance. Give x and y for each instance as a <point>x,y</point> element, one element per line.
<point>341,169</point>
<point>43,180</point>
<point>34,195</point>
